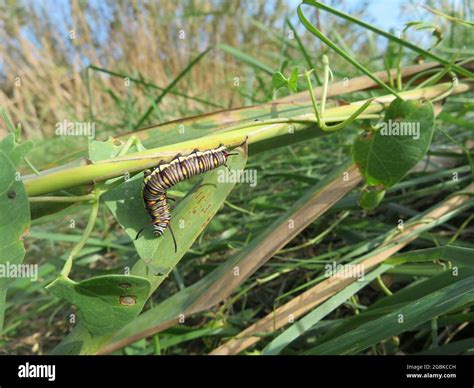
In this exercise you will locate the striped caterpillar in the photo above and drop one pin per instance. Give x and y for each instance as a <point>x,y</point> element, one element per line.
<point>164,176</point>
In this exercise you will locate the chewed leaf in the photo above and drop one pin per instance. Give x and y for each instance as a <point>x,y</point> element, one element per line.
<point>100,150</point>
<point>105,303</point>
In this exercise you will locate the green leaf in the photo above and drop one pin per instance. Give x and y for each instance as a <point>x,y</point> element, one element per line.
<point>385,157</point>
<point>14,150</point>
<point>405,318</point>
<point>104,303</point>
<point>14,222</point>
<point>293,80</point>
<point>369,199</point>
<point>278,80</point>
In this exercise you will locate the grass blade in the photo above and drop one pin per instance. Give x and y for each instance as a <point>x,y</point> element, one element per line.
<point>171,86</point>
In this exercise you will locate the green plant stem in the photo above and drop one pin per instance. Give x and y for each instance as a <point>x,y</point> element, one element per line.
<point>304,52</point>
<point>59,199</point>
<point>313,98</point>
<point>349,120</point>
<point>342,53</point>
<point>383,287</point>
<point>319,118</point>
<point>30,165</point>
<point>325,84</point>
<point>87,232</point>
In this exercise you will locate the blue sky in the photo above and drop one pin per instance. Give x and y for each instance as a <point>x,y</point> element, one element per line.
<point>385,14</point>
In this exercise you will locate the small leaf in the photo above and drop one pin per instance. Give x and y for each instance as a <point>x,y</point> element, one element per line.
<point>105,303</point>
<point>385,157</point>
<point>369,199</point>
<point>293,80</point>
<point>279,80</point>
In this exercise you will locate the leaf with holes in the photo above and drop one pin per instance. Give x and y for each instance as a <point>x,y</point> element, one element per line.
<point>105,303</point>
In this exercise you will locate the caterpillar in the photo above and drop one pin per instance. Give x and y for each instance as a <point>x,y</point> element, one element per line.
<point>164,176</point>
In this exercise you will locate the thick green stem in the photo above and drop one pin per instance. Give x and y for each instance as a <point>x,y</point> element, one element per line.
<point>255,132</point>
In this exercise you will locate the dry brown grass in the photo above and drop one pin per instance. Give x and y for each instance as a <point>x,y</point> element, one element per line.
<point>44,80</point>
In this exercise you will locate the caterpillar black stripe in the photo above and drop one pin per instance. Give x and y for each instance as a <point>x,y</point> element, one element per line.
<point>164,176</point>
